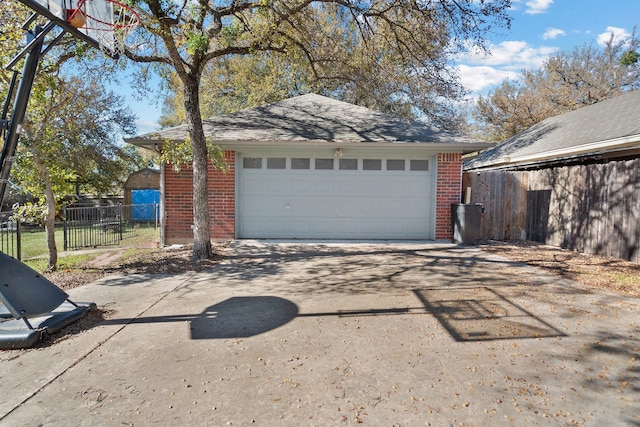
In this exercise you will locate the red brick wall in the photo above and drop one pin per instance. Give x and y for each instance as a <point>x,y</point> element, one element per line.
<point>448,191</point>
<point>222,202</point>
<point>179,202</point>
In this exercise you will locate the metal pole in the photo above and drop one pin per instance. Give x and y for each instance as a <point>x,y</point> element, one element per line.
<point>64,226</point>
<point>120,219</point>
<point>33,39</point>
<point>19,239</point>
<point>7,102</point>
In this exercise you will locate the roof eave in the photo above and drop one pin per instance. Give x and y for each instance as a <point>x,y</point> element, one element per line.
<point>453,147</point>
<point>564,154</point>
<point>148,144</point>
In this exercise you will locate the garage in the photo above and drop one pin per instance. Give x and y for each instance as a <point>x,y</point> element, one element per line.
<point>350,196</point>
<point>312,167</point>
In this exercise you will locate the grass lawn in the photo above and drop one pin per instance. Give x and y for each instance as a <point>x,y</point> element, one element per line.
<point>34,243</point>
<point>34,247</point>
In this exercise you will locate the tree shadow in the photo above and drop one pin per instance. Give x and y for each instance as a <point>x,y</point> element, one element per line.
<point>607,362</point>
<point>473,296</point>
<point>354,268</point>
<point>622,349</point>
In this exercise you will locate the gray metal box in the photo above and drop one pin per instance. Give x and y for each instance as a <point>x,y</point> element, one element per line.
<point>467,219</point>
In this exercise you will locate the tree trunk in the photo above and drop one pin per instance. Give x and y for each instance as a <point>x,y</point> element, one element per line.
<point>49,227</point>
<point>201,220</point>
<point>50,212</point>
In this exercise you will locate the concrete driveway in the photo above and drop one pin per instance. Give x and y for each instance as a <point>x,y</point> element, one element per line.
<point>302,334</point>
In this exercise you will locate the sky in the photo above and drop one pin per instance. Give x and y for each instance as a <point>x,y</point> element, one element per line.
<point>539,29</point>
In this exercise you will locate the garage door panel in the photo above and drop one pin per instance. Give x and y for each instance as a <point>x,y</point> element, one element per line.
<point>275,185</point>
<point>395,207</point>
<point>251,185</point>
<point>265,206</point>
<point>322,186</point>
<point>264,229</point>
<point>300,184</point>
<point>330,204</point>
<point>312,209</point>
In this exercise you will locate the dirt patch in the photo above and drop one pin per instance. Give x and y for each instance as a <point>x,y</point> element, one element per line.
<point>600,272</point>
<point>106,259</point>
<point>172,260</point>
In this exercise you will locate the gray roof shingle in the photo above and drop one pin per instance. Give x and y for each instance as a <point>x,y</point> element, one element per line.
<point>578,132</point>
<point>313,118</point>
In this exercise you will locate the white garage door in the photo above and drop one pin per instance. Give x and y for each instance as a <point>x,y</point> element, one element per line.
<point>335,198</point>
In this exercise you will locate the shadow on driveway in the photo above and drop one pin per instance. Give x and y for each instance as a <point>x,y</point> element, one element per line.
<point>483,314</point>
<point>467,314</point>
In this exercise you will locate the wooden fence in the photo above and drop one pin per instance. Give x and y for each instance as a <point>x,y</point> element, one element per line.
<point>587,208</point>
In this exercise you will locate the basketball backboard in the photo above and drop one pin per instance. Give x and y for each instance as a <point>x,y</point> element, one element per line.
<point>101,24</point>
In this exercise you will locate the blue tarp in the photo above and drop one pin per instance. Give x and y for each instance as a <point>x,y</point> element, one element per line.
<point>143,204</point>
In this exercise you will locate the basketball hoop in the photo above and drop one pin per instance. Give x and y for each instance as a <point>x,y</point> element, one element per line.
<point>108,21</point>
<point>75,17</point>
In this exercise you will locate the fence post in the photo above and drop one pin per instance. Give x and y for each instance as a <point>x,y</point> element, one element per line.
<point>120,224</point>
<point>64,226</point>
<point>19,240</point>
<point>155,216</point>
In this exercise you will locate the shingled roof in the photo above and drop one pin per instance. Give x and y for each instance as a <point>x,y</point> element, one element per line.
<point>314,119</point>
<point>601,129</point>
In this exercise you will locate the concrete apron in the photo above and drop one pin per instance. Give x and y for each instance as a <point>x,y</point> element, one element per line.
<point>332,334</point>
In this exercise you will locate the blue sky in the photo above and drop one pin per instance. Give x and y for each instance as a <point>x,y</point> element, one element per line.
<point>539,29</point>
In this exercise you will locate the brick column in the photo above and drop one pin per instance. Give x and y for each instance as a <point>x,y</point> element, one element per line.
<point>179,202</point>
<point>222,199</point>
<point>448,191</point>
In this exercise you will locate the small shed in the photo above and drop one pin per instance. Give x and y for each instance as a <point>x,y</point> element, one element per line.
<point>142,191</point>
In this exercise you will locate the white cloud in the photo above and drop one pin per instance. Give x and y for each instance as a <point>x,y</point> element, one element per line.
<point>553,33</point>
<point>535,7</point>
<point>619,34</point>
<point>478,78</point>
<point>479,72</point>
<point>513,54</point>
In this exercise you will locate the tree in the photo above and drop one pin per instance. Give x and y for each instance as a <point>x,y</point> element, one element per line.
<point>72,142</point>
<point>72,132</point>
<point>565,82</point>
<point>370,76</point>
<point>186,36</point>
<point>371,72</point>
<point>233,83</point>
